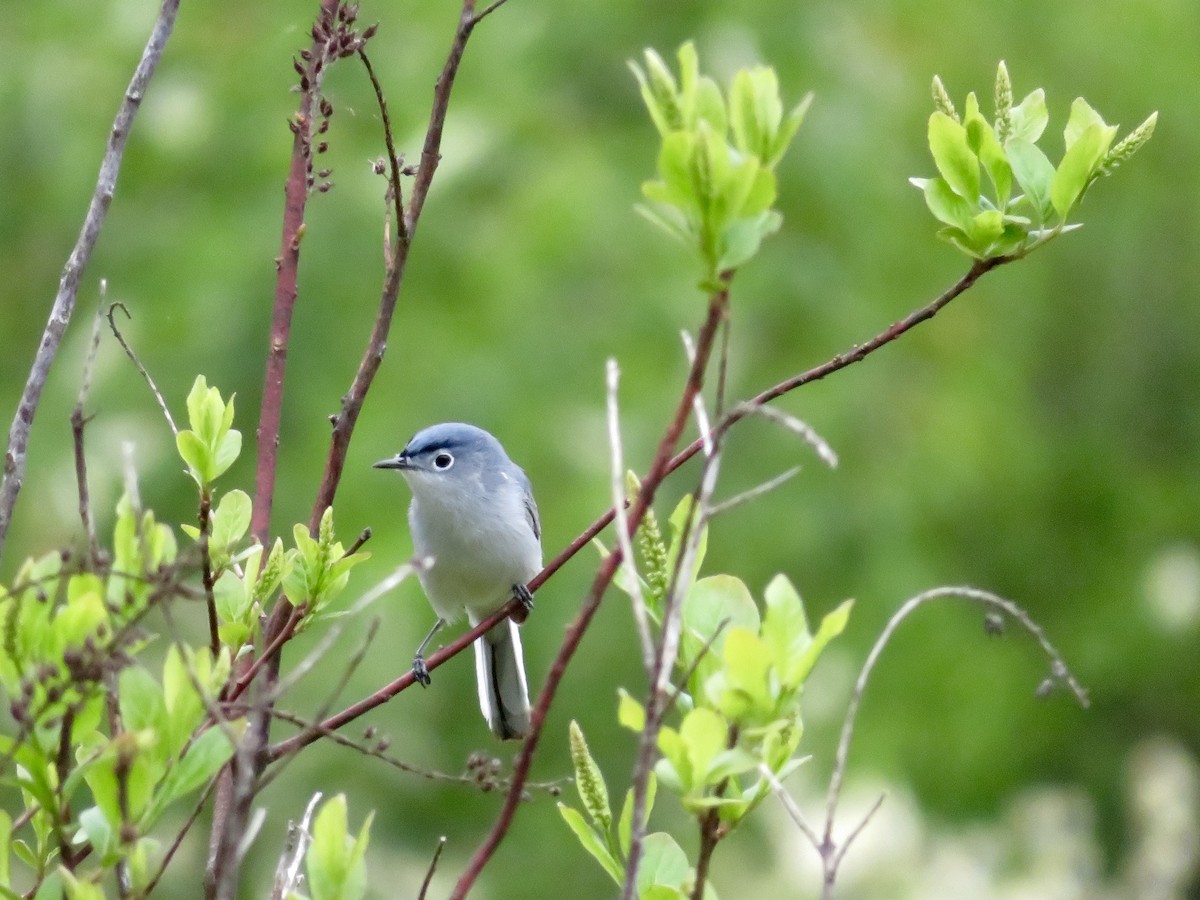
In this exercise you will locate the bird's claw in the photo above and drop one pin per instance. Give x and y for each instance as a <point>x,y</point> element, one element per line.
<point>521,593</point>
<point>421,671</point>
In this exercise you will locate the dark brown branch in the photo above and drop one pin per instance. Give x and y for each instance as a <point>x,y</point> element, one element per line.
<point>68,285</point>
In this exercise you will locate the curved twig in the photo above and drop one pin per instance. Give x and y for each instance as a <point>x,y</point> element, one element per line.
<point>68,285</point>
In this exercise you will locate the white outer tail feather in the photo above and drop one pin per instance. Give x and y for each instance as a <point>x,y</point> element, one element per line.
<point>500,673</point>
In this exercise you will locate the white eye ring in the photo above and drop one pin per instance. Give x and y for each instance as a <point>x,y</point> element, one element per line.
<point>443,461</point>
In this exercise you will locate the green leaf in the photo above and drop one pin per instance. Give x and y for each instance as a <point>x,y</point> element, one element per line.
<point>946,206</point>
<point>663,863</point>
<point>196,455</point>
<point>1079,165</point>
<point>630,713</point>
<point>1029,118</point>
<point>953,156</point>
<point>100,835</point>
<point>712,601</point>
<point>141,700</point>
<point>1082,118</point>
<point>831,626</point>
<point>1034,173</point>
<point>333,871</point>
<point>592,842</point>
<point>231,519</point>
<point>787,130</point>
<point>985,142</point>
<point>747,661</point>
<point>227,451</point>
<point>625,825</point>
<point>704,734</point>
<point>207,754</point>
<point>5,846</point>
<point>742,238</point>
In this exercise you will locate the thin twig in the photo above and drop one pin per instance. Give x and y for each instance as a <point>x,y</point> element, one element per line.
<point>830,854</point>
<point>68,285</point>
<point>753,493</point>
<point>624,539</point>
<point>395,187</point>
<point>178,840</point>
<point>797,426</point>
<point>162,404</point>
<point>287,873</point>
<point>433,862</point>
<point>789,805</point>
<point>659,696</point>
<point>79,421</point>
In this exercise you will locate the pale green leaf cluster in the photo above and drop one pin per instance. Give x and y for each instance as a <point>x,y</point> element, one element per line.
<point>997,193</point>
<point>742,671</point>
<point>742,700</point>
<point>318,568</point>
<point>336,859</point>
<point>716,165</point>
<point>103,747</point>
<point>211,444</point>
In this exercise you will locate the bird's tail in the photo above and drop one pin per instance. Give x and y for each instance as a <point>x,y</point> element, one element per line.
<point>500,671</point>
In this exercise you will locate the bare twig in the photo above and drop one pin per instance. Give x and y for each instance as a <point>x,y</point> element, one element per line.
<point>287,873</point>
<point>394,185</point>
<point>797,426</point>
<point>830,851</point>
<point>68,285</point>
<point>753,493</point>
<point>112,324</point>
<point>79,421</point>
<point>179,836</point>
<point>206,571</point>
<point>660,697</point>
<point>436,854</point>
<point>624,539</point>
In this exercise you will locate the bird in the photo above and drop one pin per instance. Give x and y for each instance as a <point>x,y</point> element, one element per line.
<point>474,522</point>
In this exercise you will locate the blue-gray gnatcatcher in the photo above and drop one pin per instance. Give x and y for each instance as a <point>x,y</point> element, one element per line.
<point>473,516</point>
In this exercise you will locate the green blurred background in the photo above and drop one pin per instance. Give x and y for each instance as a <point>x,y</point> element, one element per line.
<point>1037,439</point>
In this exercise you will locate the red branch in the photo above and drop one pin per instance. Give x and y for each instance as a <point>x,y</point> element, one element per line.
<point>840,361</point>
<point>295,194</point>
<point>659,469</point>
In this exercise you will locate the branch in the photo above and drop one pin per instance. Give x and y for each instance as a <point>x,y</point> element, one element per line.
<point>78,422</point>
<point>608,569</point>
<point>347,417</point>
<point>287,266</point>
<point>68,285</point>
<point>831,853</point>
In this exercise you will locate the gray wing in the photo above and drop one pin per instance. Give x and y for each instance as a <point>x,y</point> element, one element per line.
<point>531,511</point>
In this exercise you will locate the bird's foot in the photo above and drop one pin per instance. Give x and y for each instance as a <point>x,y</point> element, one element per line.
<point>522,594</point>
<point>421,671</point>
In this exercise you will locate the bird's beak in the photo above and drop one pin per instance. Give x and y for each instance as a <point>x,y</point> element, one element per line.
<point>399,461</point>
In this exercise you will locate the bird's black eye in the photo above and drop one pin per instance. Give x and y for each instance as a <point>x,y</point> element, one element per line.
<point>443,461</point>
